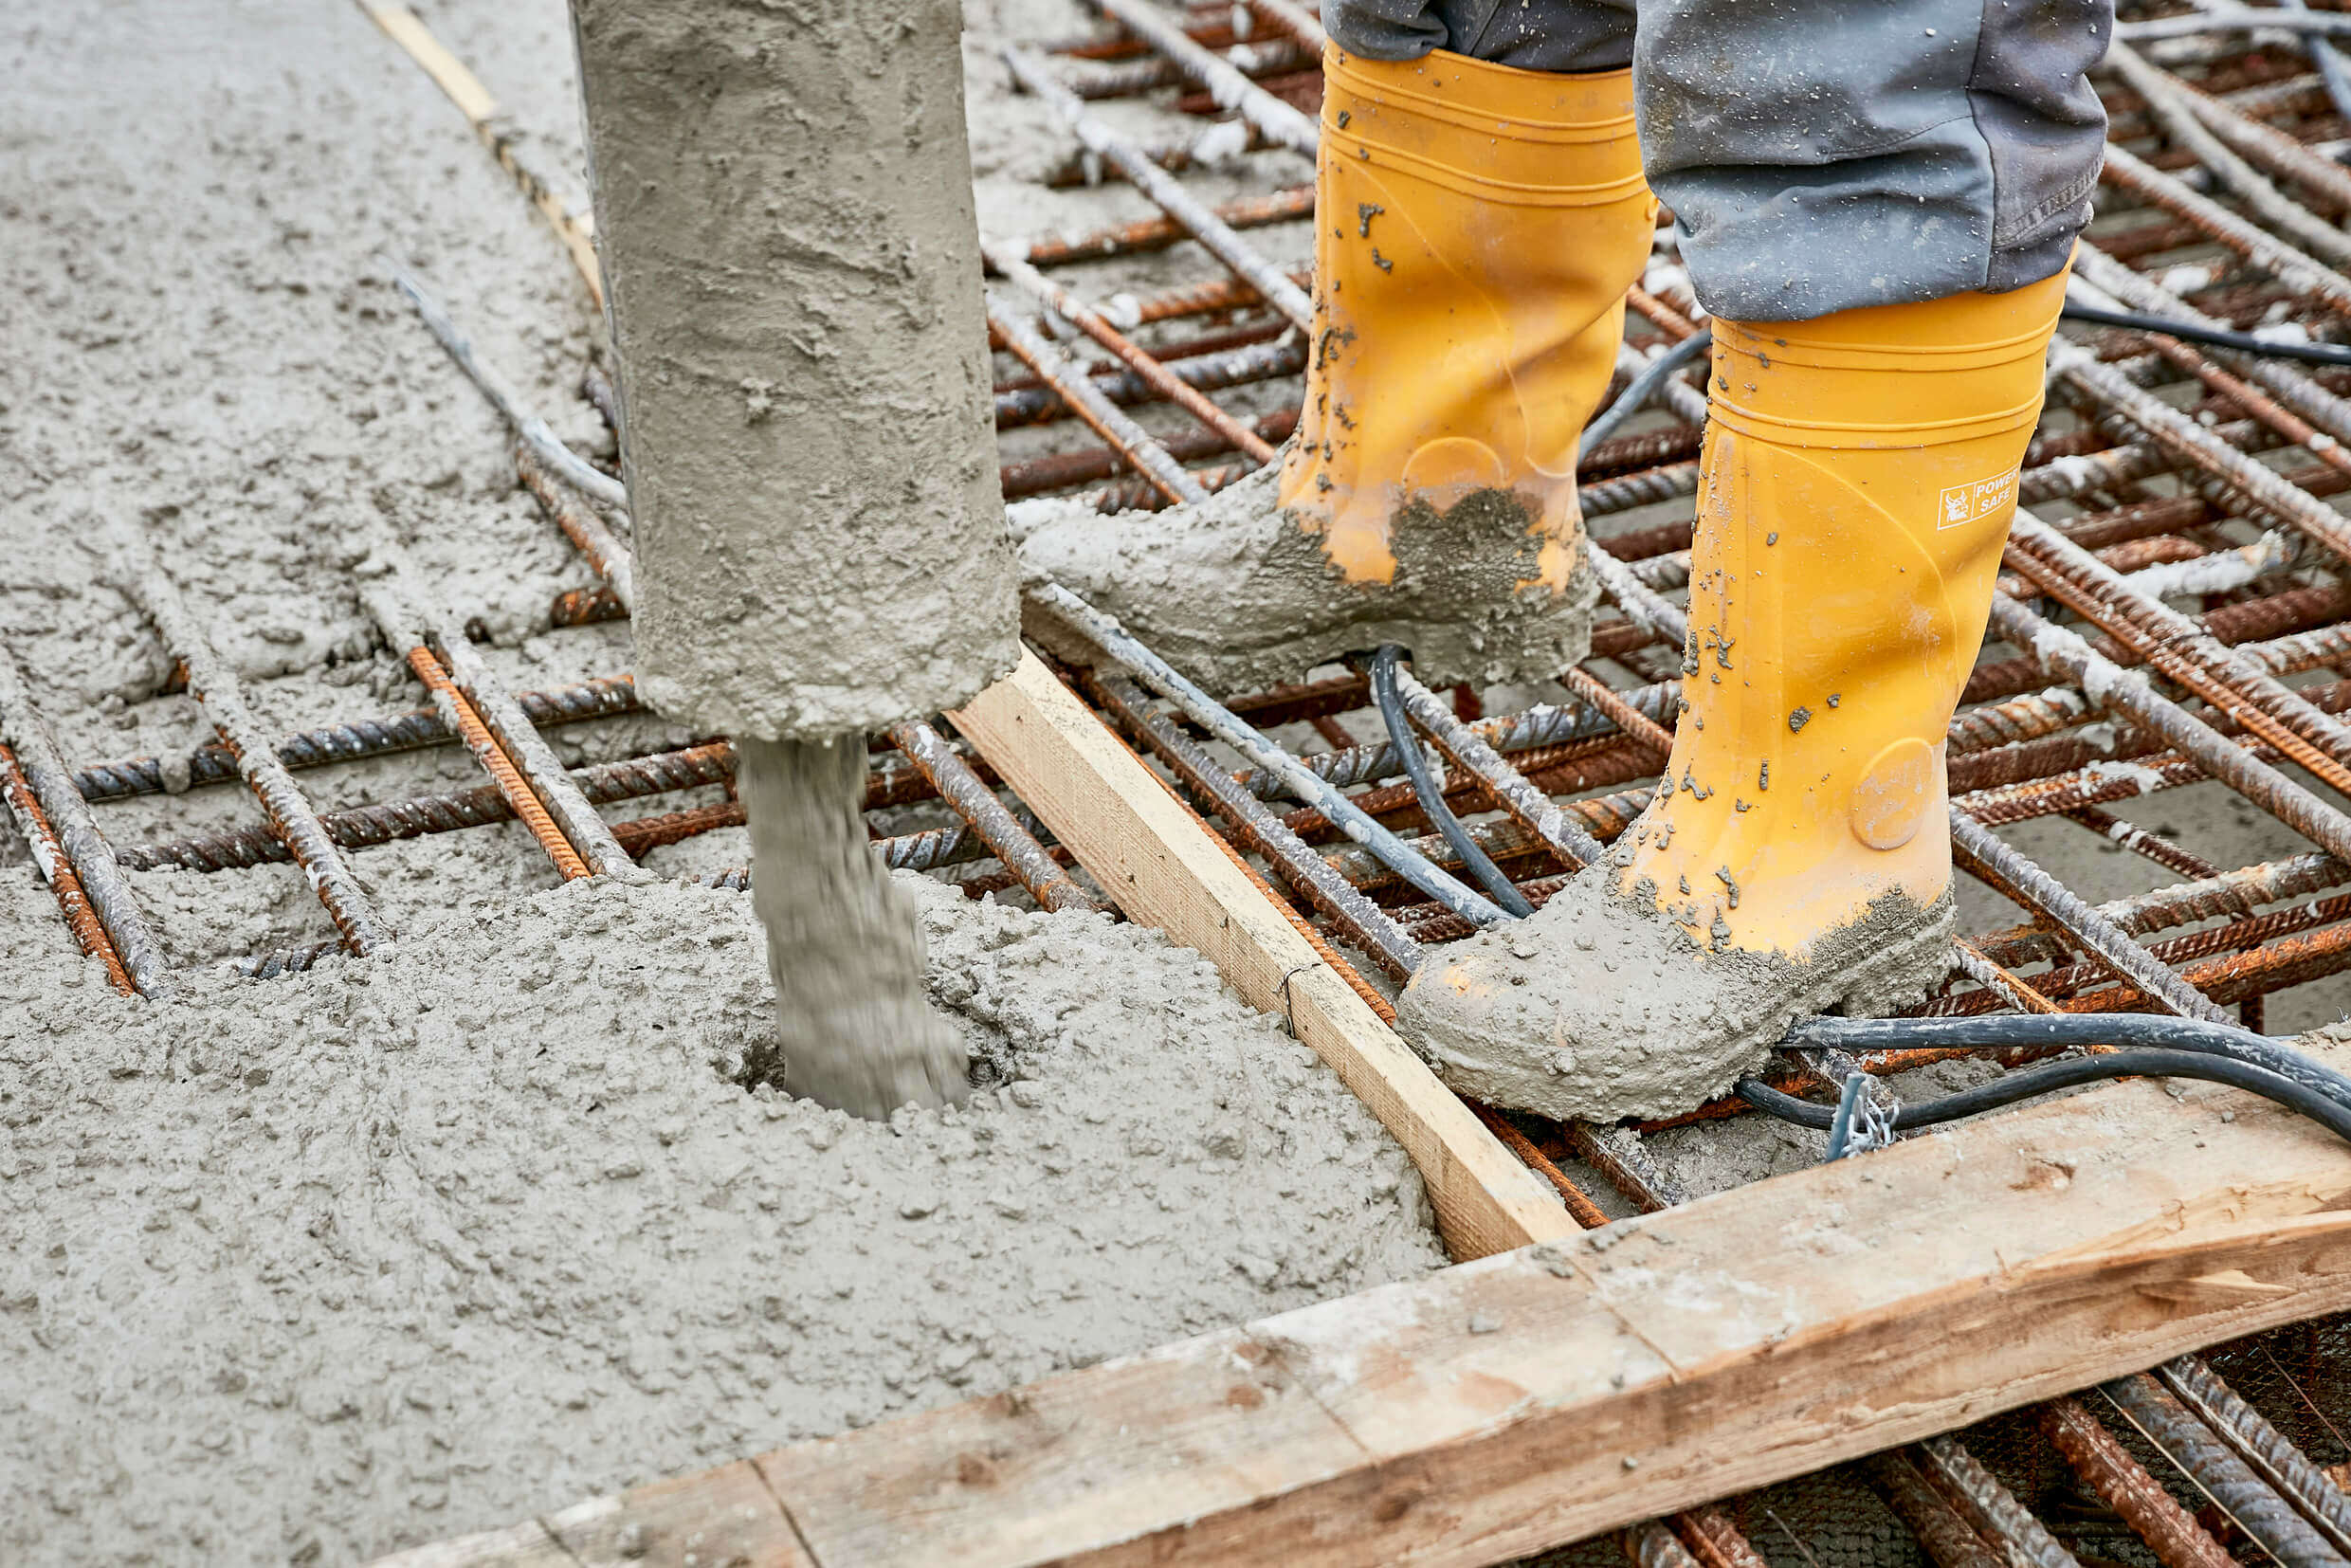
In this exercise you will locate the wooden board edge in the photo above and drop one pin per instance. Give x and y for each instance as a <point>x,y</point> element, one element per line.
<point>450,74</point>
<point>1159,862</point>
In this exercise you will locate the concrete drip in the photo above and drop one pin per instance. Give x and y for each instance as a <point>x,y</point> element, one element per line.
<point>784,210</point>
<point>852,1030</point>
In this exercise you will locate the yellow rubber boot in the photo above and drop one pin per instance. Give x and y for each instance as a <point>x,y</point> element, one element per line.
<point>1860,477</point>
<point>1476,229</point>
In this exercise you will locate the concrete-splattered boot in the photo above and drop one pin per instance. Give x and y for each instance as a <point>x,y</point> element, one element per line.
<point>1476,229</point>
<point>1860,476</point>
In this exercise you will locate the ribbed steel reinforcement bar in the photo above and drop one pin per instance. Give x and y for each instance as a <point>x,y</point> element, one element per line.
<point>2301,273</point>
<point>2165,96</point>
<point>1128,438</point>
<point>1064,304</point>
<point>1532,808</point>
<point>2066,655</point>
<point>1280,123</point>
<point>2286,1467</point>
<point>459,714</point>
<point>56,868</point>
<point>2178,647</point>
<point>2123,1484</point>
<point>1949,1540</point>
<point>2097,935</point>
<point>215,689</point>
<point>532,430</point>
<point>612,560</point>
<point>600,698</point>
<point>1262,361</point>
<point>1011,843</point>
<point>537,761</point>
<point>1170,197</point>
<point>360,825</point>
<point>2216,1471</point>
<point>2290,385</point>
<point>74,857</point>
<point>2191,443</point>
<point>1142,234</point>
<point>1364,923</point>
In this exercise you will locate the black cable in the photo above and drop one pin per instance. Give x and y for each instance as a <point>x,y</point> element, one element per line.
<point>1407,747</point>
<point>2025,1085</point>
<point>1644,387</point>
<point>2192,332</point>
<point>2007,1032</point>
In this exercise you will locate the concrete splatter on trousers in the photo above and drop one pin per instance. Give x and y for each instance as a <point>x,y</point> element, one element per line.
<point>1820,155</point>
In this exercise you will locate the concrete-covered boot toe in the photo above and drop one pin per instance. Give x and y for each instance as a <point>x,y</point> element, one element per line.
<point>1597,1007</point>
<point>1240,595</point>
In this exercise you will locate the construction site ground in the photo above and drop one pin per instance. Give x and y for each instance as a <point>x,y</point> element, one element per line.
<point>311,1268</point>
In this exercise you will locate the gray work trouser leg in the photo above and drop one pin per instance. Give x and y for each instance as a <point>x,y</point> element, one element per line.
<point>1820,155</point>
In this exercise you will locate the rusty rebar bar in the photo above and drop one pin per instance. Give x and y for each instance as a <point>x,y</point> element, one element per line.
<point>1990,1507</point>
<point>2216,1471</point>
<point>1091,322</point>
<point>360,827</point>
<point>2269,1451</point>
<point>1203,225</point>
<point>73,856</point>
<point>2092,932</point>
<point>2191,443</point>
<point>2183,125</point>
<point>1129,439</point>
<point>1133,78</point>
<point>1950,1541</point>
<point>1262,361</point>
<point>2177,646</point>
<point>2290,384</point>
<point>2119,1482</point>
<point>1231,90</point>
<point>1142,234</point>
<point>1011,843</point>
<point>1579,1205</point>
<point>1060,470</point>
<point>1295,21</point>
<point>1565,837</point>
<point>2296,269</point>
<point>2066,655</point>
<point>612,560</point>
<point>461,715</point>
<point>215,689</point>
<point>528,426</point>
<point>56,868</point>
<point>601,697</point>
<point>573,832</point>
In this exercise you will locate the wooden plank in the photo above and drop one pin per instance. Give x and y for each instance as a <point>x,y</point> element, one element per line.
<point>448,73</point>
<point>475,102</point>
<point>724,1518</point>
<point>523,1545</point>
<point>1164,869</point>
